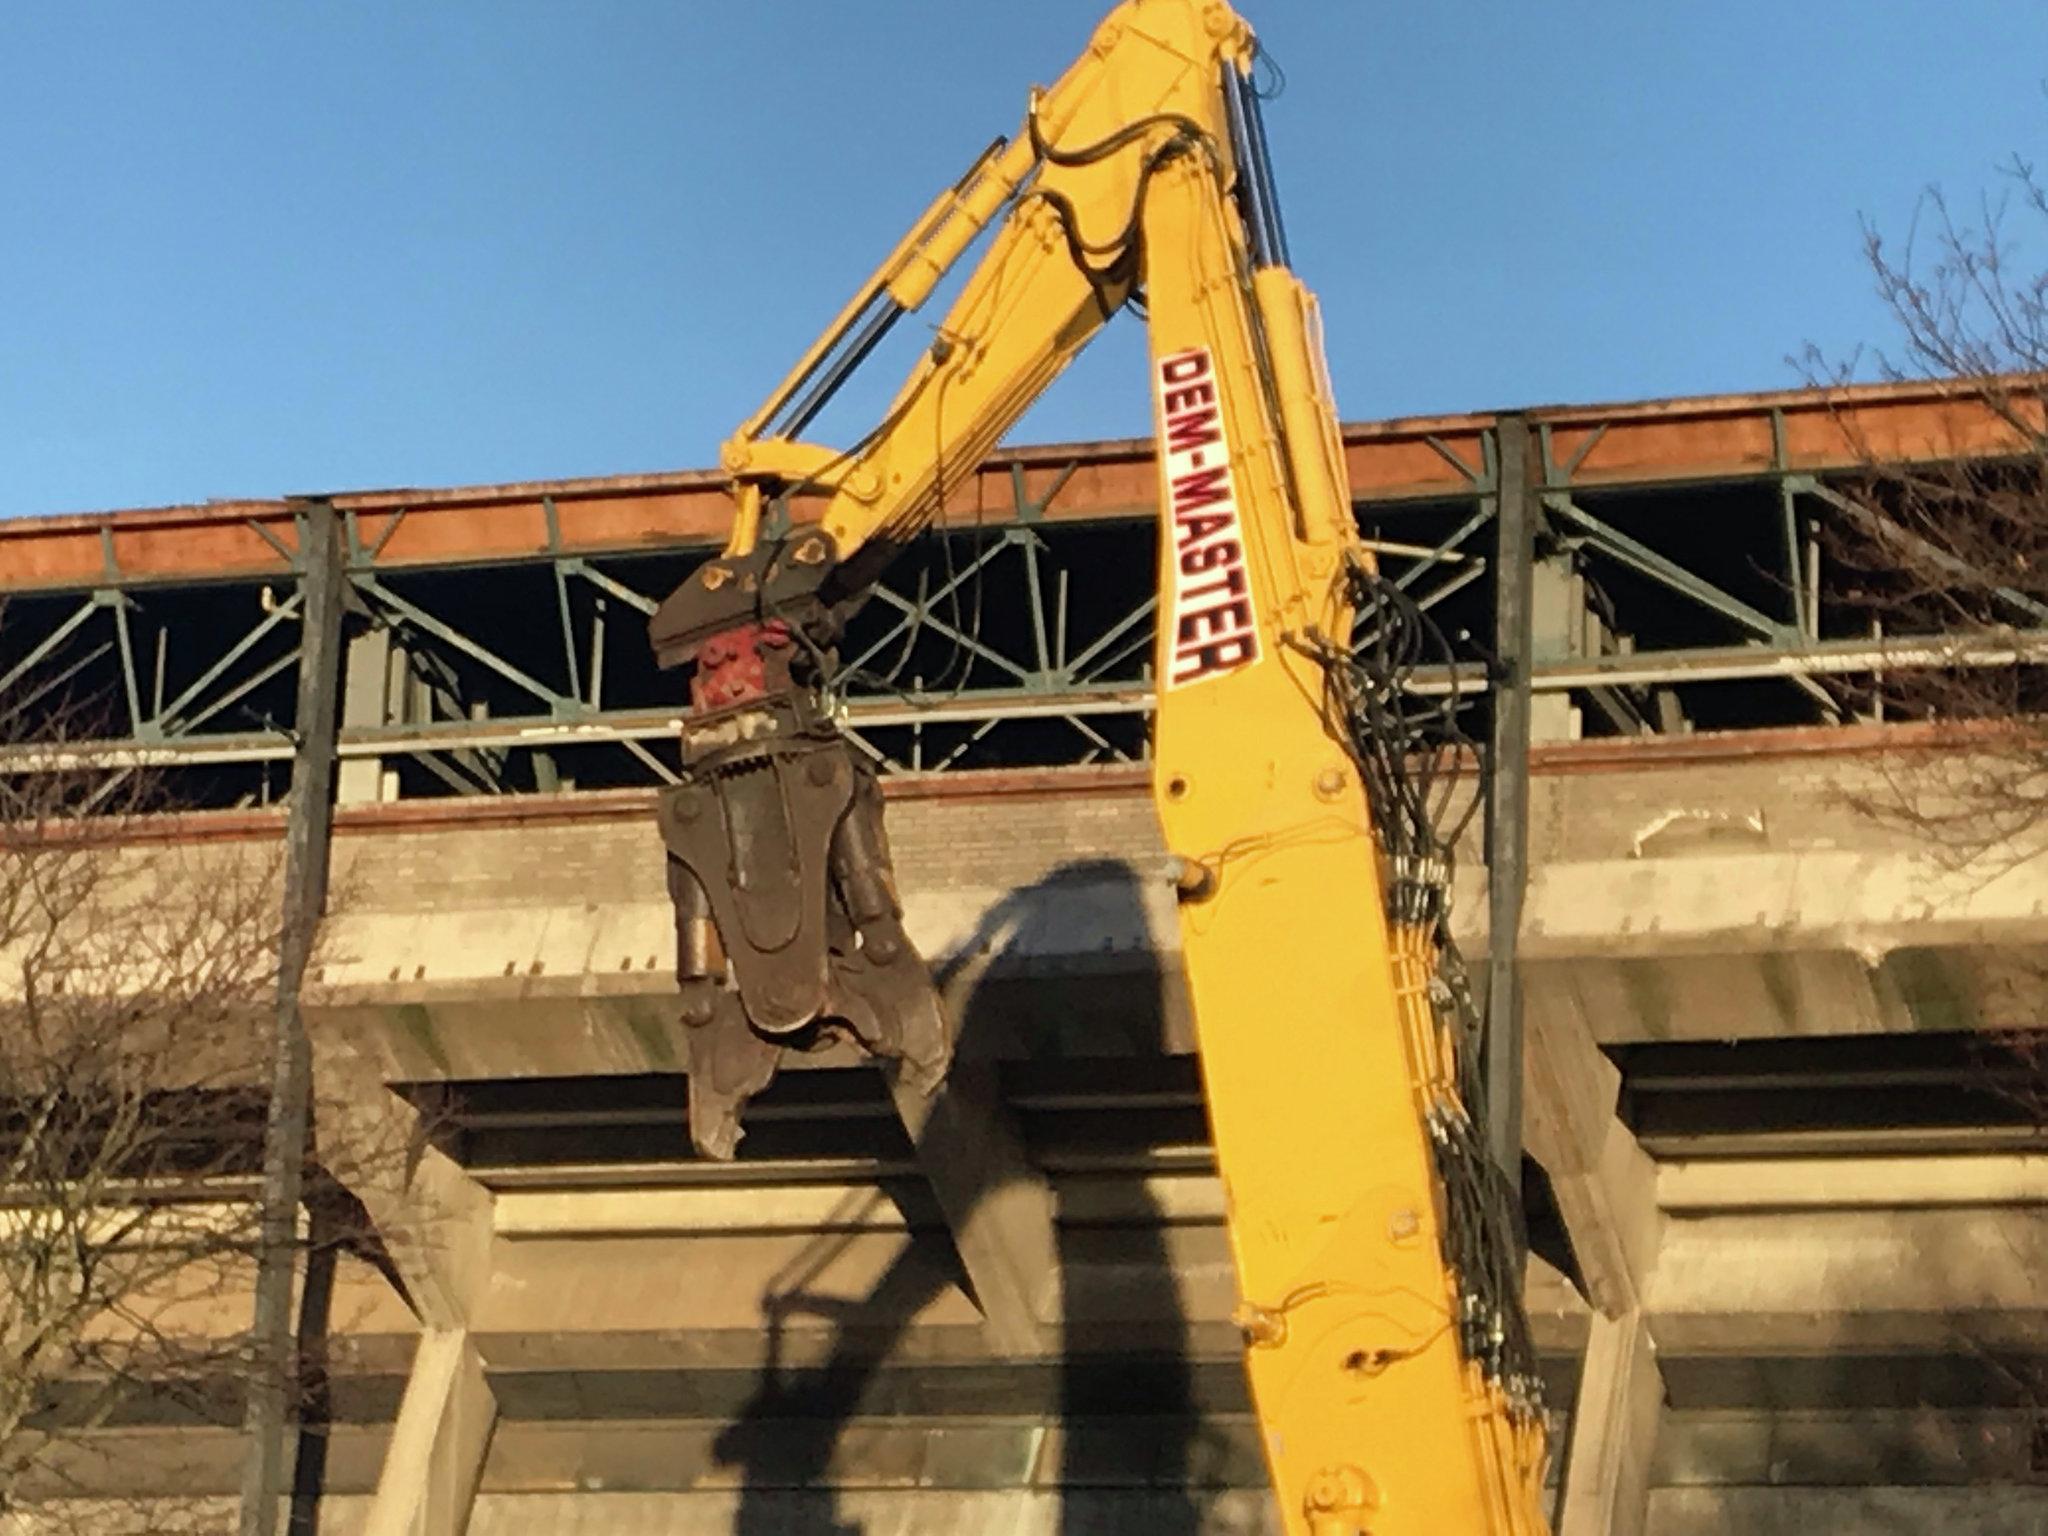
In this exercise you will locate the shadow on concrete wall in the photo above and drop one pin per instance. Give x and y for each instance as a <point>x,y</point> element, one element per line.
<point>1130,1437</point>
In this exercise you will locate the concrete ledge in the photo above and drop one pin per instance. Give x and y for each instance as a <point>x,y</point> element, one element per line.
<point>1675,895</point>
<point>1838,1183</point>
<point>1811,1281</point>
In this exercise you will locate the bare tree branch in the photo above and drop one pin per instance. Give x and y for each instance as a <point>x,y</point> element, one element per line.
<point>1953,538</point>
<point>137,980</point>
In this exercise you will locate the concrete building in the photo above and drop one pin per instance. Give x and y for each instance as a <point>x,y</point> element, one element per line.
<point>1804,1197</point>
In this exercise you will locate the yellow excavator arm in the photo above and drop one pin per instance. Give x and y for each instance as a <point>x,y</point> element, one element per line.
<point>1375,1244</point>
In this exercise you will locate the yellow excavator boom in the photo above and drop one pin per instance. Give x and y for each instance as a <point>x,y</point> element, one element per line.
<point>1375,1244</point>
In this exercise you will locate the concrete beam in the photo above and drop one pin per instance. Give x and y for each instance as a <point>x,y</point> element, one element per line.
<point>1721,1185</point>
<point>1710,903</point>
<point>590,1278</point>
<point>1806,1281</point>
<point>821,1207</point>
<point>1672,897</point>
<point>1800,1280</point>
<point>708,1209</point>
<point>1614,1432</point>
<point>1848,1444</point>
<point>2009,1511</point>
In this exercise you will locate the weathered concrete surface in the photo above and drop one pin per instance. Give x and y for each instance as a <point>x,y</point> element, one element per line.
<point>1801,1283</point>
<point>1616,1423</point>
<point>589,1289</point>
<point>1761,1463</point>
<point>2006,1511</point>
<point>909,1511</point>
<point>1678,894</point>
<point>2009,1511</point>
<point>1815,1282</point>
<point>1835,1448</point>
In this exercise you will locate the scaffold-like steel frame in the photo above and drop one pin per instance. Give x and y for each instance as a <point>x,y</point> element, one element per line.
<point>1674,549</point>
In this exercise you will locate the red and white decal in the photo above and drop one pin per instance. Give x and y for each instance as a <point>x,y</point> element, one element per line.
<point>1212,627</point>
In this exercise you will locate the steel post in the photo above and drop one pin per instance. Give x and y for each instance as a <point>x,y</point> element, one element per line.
<point>1507,805</point>
<point>268,1414</point>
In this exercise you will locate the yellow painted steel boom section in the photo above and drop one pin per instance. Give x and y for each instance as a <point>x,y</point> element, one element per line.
<point>1380,1289</point>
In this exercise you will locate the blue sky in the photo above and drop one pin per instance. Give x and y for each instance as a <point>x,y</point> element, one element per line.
<point>259,248</point>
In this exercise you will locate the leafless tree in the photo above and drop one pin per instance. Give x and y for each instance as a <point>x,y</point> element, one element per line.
<point>1949,535</point>
<point>137,976</point>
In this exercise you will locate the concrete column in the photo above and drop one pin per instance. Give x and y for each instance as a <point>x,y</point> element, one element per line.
<point>1566,625</point>
<point>998,1207</point>
<point>1614,1432</point>
<point>365,704</point>
<point>1557,621</point>
<point>435,1226</point>
<point>438,1443</point>
<point>1605,1184</point>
